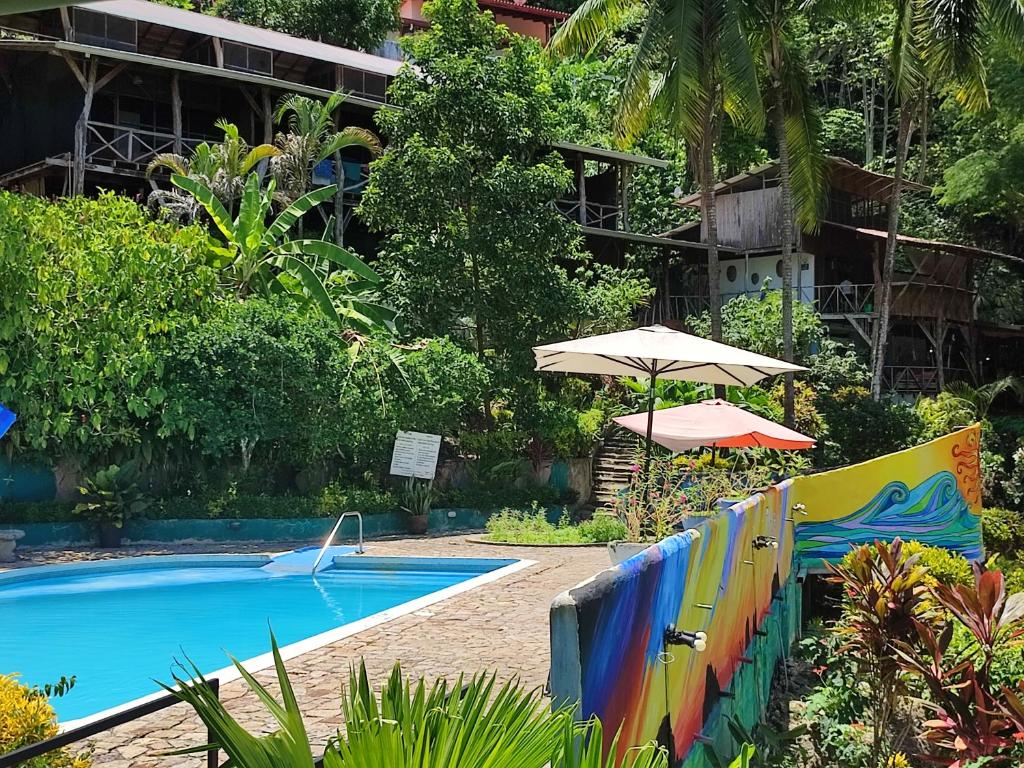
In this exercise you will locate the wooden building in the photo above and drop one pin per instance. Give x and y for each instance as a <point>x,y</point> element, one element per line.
<point>519,16</point>
<point>91,93</point>
<point>935,336</point>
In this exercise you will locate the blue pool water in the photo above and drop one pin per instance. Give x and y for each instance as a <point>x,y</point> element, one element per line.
<point>118,631</point>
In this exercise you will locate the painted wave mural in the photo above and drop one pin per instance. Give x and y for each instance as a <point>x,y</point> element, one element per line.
<point>933,512</point>
<point>608,644</point>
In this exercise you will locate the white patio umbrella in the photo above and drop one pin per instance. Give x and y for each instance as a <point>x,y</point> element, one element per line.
<point>658,352</point>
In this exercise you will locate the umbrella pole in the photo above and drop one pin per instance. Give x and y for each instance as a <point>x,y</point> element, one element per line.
<point>650,432</point>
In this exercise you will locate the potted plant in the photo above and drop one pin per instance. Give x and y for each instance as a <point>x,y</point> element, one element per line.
<point>110,498</point>
<point>418,496</point>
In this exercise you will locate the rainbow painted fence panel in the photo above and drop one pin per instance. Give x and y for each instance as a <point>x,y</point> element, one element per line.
<point>607,634</point>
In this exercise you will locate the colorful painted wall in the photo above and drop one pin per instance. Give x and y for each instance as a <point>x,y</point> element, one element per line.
<point>931,493</point>
<point>607,634</point>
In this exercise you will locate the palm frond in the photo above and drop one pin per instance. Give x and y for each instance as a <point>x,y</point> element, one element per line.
<point>587,25</point>
<point>287,746</point>
<point>170,161</point>
<point>808,166</point>
<point>350,137</point>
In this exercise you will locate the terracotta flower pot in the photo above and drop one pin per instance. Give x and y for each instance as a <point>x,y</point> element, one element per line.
<point>417,524</point>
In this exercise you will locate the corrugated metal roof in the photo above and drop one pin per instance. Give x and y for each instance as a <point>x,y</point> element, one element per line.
<point>968,251</point>
<point>598,153</point>
<point>212,26</point>
<point>842,174</point>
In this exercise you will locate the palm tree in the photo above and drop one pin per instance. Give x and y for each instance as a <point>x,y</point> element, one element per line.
<point>797,128</point>
<point>980,399</point>
<point>935,43</point>
<point>223,167</point>
<point>691,64</point>
<point>311,138</point>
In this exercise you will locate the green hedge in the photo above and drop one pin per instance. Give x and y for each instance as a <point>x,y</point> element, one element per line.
<point>1002,530</point>
<point>330,502</point>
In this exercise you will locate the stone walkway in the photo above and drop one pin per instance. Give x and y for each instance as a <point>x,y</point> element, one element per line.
<point>501,626</point>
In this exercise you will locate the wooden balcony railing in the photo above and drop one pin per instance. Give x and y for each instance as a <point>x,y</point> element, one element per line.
<point>597,215</point>
<point>845,299</point>
<point>121,144</point>
<point>918,379</point>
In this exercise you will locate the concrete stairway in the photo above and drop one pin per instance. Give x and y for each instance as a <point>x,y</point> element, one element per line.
<point>612,463</point>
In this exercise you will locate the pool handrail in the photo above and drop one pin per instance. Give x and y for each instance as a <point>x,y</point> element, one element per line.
<point>334,531</point>
<point>23,754</point>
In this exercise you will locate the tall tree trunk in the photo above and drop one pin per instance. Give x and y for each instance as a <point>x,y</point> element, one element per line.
<point>889,264</point>
<point>869,119</point>
<point>922,165</point>
<point>707,198</point>
<point>787,253</point>
<point>885,119</point>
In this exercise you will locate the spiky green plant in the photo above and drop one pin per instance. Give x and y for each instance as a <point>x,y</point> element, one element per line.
<point>469,724</point>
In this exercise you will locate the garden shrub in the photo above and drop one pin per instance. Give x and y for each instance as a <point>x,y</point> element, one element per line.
<point>26,717</point>
<point>944,566</point>
<point>1002,530</point>
<point>261,377</point>
<point>531,526</point>
<point>93,290</point>
<point>859,428</point>
<point>943,414</point>
<point>37,511</point>
<point>265,382</point>
<point>486,498</point>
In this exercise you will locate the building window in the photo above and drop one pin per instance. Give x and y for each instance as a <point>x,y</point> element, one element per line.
<point>101,29</point>
<point>730,273</point>
<point>778,267</point>
<point>755,278</point>
<point>248,59</point>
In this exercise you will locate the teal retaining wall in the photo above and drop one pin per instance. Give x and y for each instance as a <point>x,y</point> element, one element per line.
<point>26,482</point>
<point>256,529</point>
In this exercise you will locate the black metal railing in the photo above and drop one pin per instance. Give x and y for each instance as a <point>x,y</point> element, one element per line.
<point>66,738</point>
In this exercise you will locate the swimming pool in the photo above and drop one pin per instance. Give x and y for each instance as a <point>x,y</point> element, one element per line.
<point>119,625</point>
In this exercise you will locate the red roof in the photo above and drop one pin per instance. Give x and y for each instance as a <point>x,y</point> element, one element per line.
<point>523,10</point>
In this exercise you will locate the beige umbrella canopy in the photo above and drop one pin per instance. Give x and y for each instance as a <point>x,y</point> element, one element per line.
<point>660,353</point>
<point>657,352</point>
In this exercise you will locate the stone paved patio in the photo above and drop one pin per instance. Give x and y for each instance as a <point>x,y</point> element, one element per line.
<point>501,626</point>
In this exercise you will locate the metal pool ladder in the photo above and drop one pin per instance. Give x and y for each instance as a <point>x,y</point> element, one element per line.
<point>334,531</point>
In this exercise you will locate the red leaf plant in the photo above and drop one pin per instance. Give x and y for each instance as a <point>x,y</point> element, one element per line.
<point>973,718</point>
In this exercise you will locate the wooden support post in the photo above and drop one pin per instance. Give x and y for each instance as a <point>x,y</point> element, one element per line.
<point>268,117</point>
<point>626,171</point>
<point>65,22</point>
<point>218,52</point>
<point>82,131</point>
<point>581,184</point>
<point>176,112</point>
<point>940,354</point>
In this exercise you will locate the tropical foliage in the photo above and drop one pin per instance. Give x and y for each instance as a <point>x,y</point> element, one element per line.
<point>222,167</point>
<point>26,717</point>
<point>470,723</point>
<point>258,257</point>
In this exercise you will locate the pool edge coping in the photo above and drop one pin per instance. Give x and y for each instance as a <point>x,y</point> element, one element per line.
<point>293,650</point>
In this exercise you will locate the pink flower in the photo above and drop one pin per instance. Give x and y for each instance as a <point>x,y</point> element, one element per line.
<point>634,468</point>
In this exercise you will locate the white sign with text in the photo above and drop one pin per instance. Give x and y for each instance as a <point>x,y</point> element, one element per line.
<point>415,455</point>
